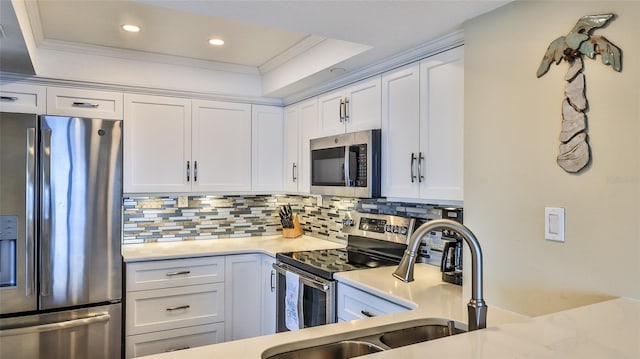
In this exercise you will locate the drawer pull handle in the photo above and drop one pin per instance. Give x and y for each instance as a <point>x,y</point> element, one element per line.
<point>179,307</point>
<point>85,104</point>
<point>176,349</point>
<point>9,98</point>
<point>367,313</point>
<point>171,274</point>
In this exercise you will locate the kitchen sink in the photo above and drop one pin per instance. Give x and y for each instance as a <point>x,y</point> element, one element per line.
<point>341,350</point>
<point>367,341</point>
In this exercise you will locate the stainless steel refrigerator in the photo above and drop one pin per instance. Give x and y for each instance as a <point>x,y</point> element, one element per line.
<point>60,237</point>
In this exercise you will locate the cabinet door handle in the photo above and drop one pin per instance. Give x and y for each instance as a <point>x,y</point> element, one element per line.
<point>85,104</point>
<point>346,110</point>
<point>420,176</point>
<point>294,169</point>
<point>341,110</point>
<point>413,159</point>
<point>195,171</point>
<point>171,274</point>
<point>8,98</point>
<point>179,307</point>
<point>367,313</point>
<point>176,349</point>
<point>188,171</point>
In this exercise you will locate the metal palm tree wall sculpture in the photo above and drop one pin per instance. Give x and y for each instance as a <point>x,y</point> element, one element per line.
<point>574,150</point>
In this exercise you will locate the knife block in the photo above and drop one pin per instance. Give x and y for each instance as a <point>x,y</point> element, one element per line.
<point>294,232</point>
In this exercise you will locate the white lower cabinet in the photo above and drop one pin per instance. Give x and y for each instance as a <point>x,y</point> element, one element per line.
<point>354,303</point>
<point>183,303</point>
<point>174,340</point>
<point>174,304</point>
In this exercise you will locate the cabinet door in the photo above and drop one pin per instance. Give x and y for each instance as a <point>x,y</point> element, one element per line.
<point>441,125</point>
<point>243,303</point>
<point>363,106</point>
<point>23,98</point>
<point>291,139</point>
<point>267,148</point>
<point>157,144</point>
<point>357,304</point>
<point>331,114</point>
<point>268,313</point>
<point>400,132</point>
<point>308,130</point>
<point>84,103</point>
<point>221,144</point>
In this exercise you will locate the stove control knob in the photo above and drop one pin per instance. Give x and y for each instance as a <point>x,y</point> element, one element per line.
<point>347,222</point>
<point>387,228</point>
<point>395,229</point>
<point>404,230</point>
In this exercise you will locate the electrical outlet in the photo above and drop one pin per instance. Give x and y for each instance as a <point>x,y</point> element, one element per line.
<point>554,224</point>
<point>183,201</point>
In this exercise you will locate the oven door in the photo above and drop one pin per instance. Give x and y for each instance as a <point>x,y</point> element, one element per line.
<point>316,300</point>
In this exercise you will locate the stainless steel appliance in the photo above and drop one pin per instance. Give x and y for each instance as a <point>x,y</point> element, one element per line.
<point>346,165</point>
<point>60,212</point>
<point>451,263</point>
<point>373,240</point>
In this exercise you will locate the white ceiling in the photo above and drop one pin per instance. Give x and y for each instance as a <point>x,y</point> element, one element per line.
<point>260,36</point>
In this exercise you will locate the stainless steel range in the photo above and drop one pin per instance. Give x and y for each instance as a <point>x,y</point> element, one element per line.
<point>305,286</point>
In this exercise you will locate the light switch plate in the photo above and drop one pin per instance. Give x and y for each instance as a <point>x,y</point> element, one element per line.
<point>183,201</point>
<point>554,224</point>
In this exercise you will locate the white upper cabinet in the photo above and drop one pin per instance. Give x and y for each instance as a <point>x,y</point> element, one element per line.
<point>268,148</point>
<point>422,129</point>
<point>64,101</point>
<point>23,98</point>
<point>301,125</point>
<point>157,144</point>
<point>221,146</point>
<point>350,109</point>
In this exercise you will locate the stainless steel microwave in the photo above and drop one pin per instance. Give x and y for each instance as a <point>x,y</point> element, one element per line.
<point>346,165</point>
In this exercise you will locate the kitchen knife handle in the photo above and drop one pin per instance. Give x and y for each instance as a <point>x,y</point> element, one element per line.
<point>413,159</point>
<point>45,225</point>
<point>188,171</point>
<point>85,104</point>
<point>420,159</point>
<point>30,269</point>
<point>8,98</point>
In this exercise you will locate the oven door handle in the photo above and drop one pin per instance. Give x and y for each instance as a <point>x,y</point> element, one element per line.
<point>303,279</point>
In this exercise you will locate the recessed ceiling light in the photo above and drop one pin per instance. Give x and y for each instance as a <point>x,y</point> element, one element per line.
<point>216,42</point>
<point>131,28</point>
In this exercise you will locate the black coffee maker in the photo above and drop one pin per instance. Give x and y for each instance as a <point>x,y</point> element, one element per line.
<point>451,264</point>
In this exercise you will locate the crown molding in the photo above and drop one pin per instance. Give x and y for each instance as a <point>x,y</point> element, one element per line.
<point>299,48</point>
<point>34,21</point>
<point>6,77</point>
<point>444,43</point>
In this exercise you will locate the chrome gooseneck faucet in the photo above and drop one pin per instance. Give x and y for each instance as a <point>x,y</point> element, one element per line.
<point>477,307</point>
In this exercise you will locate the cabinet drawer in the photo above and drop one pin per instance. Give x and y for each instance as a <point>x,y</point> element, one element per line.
<point>355,304</point>
<point>174,273</point>
<point>173,340</point>
<point>163,309</point>
<point>23,98</point>
<point>84,103</point>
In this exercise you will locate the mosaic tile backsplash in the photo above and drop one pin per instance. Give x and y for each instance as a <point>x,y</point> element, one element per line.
<point>155,219</point>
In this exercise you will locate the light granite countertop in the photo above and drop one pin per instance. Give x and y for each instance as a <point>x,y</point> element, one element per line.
<point>609,329</point>
<point>269,245</point>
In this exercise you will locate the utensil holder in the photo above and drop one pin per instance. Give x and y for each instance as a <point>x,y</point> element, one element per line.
<point>294,232</point>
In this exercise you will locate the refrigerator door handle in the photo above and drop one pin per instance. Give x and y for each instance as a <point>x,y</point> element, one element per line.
<point>30,213</point>
<point>45,215</point>
<point>99,318</point>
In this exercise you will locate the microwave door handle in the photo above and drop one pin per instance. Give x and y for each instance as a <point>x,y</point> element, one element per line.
<point>347,166</point>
